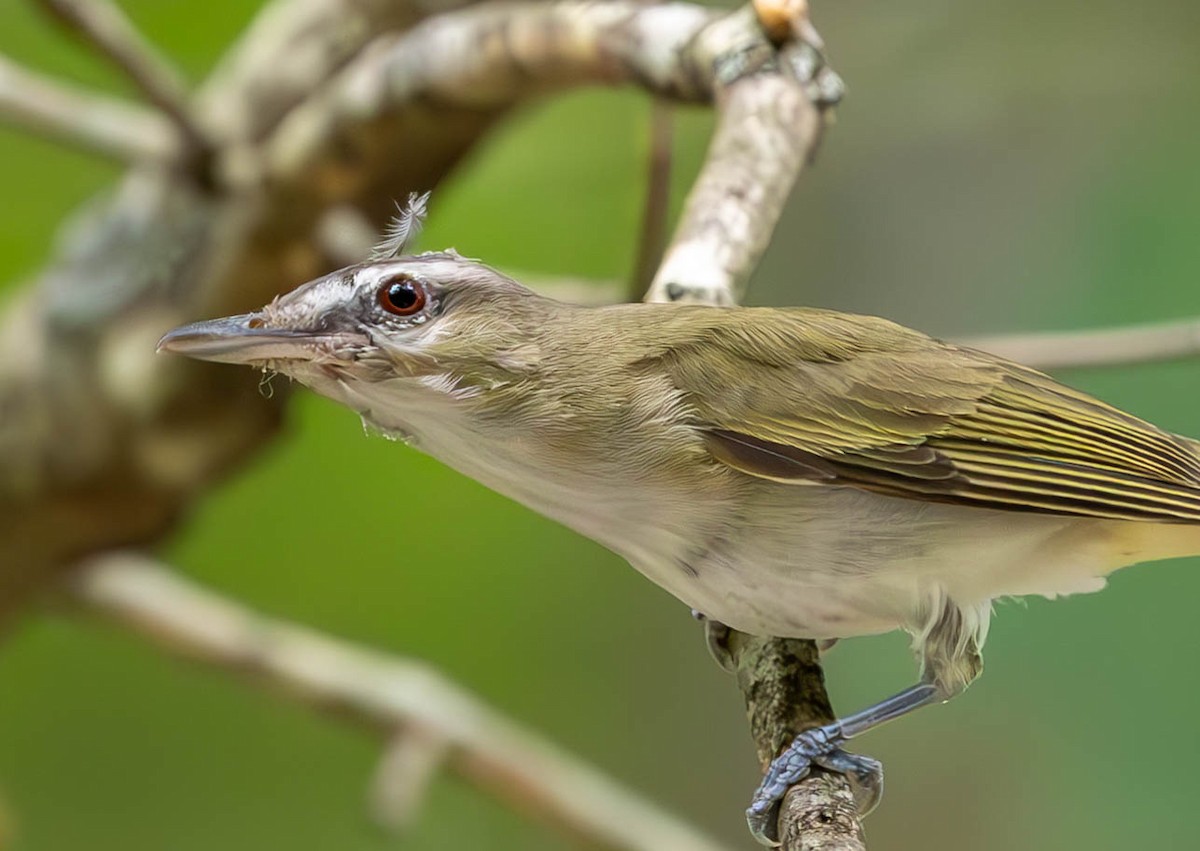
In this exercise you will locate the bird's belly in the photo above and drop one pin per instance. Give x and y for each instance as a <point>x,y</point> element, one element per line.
<point>836,563</point>
<point>795,603</point>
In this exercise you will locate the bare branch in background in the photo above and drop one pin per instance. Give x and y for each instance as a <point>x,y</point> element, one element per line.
<point>401,698</point>
<point>102,24</point>
<point>95,123</point>
<point>105,439</point>
<point>1123,346</point>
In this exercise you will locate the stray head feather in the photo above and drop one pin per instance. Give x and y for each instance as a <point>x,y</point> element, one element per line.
<point>403,228</point>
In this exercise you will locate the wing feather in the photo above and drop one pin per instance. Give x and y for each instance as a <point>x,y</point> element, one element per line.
<point>809,396</point>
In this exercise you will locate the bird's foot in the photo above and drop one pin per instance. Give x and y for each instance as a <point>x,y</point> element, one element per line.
<point>820,746</point>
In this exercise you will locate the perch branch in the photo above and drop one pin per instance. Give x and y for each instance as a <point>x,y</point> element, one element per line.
<point>101,24</point>
<point>428,719</point>
<point>95,123</point>
<point>785,694</point>
<point>770,114</point>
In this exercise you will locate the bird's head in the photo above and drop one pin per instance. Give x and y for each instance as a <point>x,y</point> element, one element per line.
<point>385,332</point>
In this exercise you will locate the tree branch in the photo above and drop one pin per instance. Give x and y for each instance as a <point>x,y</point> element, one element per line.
<point>103,125</point>
<point>428,719</point>
<point>769,104</point>
<point>103,25</point>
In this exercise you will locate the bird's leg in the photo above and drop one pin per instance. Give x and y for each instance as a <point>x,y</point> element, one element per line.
<point>950,661</point>
<point>822,746</point>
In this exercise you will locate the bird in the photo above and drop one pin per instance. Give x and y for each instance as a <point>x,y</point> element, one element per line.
<point>788,472</point>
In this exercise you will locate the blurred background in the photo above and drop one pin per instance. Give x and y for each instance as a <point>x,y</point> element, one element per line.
<point>995,167</point>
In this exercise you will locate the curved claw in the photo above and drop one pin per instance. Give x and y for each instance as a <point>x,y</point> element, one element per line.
<point>762,817</point>
<point>864,774</point>
<point>819,746</point>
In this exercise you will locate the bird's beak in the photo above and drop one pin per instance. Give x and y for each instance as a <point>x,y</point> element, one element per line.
<point>244,339</point>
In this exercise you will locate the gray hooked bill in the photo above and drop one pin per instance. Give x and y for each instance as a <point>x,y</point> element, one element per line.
<point>240,339</point>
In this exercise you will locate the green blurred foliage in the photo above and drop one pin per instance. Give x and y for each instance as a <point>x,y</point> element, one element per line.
<point>995,167</point>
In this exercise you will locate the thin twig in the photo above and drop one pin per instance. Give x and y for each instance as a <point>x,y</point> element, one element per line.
<point>1123,346</point>
<point>391,695</point>
<point>102,24</point>
<point>655,208</point>
<point>116,129</point>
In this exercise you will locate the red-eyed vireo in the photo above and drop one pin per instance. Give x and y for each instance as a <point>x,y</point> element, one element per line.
<point>788,472</point>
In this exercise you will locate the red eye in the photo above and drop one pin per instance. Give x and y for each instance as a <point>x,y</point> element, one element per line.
<point>402,296</point>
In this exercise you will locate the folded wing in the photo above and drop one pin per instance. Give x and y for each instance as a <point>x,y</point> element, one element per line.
<point>808,396</point>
